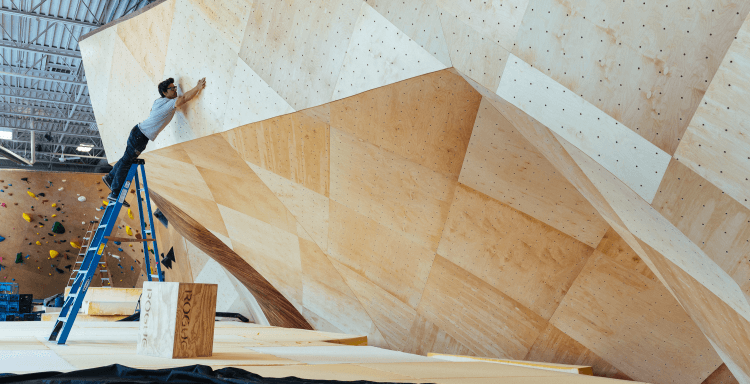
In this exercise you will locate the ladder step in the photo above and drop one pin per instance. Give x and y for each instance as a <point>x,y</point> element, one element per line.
<point>148,231</point>
<point>103,225</point>
<point>62,319</point>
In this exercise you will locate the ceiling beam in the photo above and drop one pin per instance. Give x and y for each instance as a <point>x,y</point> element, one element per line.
<point>33,48</point>
<point>42,117</point>
<point>55,132</point>
<point>24,90</point>
<point>41,78</point>
<point>29,98</point>
<point>46,143</point>
<point>5,166</point>
<point>37,16</point>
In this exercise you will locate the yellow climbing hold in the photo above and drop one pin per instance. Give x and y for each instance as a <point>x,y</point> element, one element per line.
<point>54,205</point>
<point>128,231</point>
<point>27,217</point>
<point>31,194</point>
<point>75,245</point>
<point>54,215</point>
<point>53,253</point>
<point>38,242</point>
<point>130,213</point>
<point>105,202</point>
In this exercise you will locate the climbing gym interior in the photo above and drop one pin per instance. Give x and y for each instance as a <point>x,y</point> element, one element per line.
<point>426,191</point>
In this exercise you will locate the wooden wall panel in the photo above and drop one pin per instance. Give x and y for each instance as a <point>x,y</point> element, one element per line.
<point>716,145</point>
<point>294,146</point>
<point>425,337</point>
<point>715,222</point>
<point>389,189</point>
<point>147,38</point>
<point>426,120</point>
<point>643,63</point>
<point>228,17</point>
<point>502,164</point>
<point>527,260</point>
<point>505,329</point>
<point>721,375</point>
<point>554,346</point>
<point>481,18</point>
<point>279,311</point>
<point>278,45</point>
<point>384,256</point>
<point>603,320</point>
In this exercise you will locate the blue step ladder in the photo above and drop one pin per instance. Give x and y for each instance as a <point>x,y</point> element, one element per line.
<point>97,245</point>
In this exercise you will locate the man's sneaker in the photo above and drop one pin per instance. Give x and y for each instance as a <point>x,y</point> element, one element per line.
<point>112,198</point>
<point>104,179</point>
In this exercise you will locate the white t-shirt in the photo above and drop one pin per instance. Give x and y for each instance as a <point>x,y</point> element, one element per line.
<point>161,114</point>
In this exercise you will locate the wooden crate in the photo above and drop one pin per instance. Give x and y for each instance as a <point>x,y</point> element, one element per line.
<point>177,319</point>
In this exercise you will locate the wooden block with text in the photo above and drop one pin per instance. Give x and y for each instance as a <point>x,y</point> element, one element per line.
<point>177,319</point>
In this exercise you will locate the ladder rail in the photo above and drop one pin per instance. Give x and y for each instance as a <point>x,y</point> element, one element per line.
<point>95,250</point>
<point>150,231</point>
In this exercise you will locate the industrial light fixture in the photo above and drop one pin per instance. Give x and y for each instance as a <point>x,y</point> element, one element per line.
<point>83,147</point>
<point>6,134</point>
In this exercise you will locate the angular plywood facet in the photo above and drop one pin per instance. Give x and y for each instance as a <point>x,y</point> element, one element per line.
<point>215,59</point>
<point>380,54</point>
<point>228,17</point>
<point>427,120</point>
<point>294,146</point>
<point>632,286</point>
<point>502,164</point>
<point>716,144</point>
<point>251,99</point>
<point>527,260</point>
<point>498,21</point>
<point>420,21</point>
<point>372,182</point>
<point>98,54</point>
<point>508,327</point>
<point>635,161</point>
<point>279,47</point>
<point>472,53</point>
<point>147,38</point>
<point>308,207</point>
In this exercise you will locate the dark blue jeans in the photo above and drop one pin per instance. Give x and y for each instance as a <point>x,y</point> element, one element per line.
<point>136,144</point>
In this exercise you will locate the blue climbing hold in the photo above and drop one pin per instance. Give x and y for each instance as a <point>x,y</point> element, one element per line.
<point>2,238</point>
<point>117,243</point>
<point>119,249</point>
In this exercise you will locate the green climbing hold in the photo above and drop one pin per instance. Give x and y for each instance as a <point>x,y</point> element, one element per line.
<point>19,258</point>
<point>58,228</point>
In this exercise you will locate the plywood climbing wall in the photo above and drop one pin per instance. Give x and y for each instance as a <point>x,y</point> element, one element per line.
<point>527,179</point>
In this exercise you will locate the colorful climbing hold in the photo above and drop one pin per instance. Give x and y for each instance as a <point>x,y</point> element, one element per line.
<point>82,198</point>
<point>130,213</point>
<point>54,205</point>
<point>19,258</point>
<point>38,242</point>
<point>27,217</point>
<point>53,253</point>
<point>128,231</point>
<point>32,194</point>
<point>75,245</point>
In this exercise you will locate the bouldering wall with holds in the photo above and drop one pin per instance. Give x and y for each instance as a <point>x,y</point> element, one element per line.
<point>41,220</point>
<point>563,181</point>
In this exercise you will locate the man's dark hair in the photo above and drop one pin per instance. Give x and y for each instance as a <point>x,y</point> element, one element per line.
<point>164,85</point>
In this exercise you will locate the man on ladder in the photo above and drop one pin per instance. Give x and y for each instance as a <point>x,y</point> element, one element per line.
<point>162,112</point>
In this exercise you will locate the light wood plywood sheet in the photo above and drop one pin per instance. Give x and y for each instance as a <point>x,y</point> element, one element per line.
<point>634,160</point>
<point>425,337</point>
<point>473,53</point>
<point>213,273</point>
<point>554,346</point>
<point>279,46</point>
<point>176,174</point>
<point>499,20</point>
<point>647,64</point>
<point>715,222</point>
<point>397,193</point>
<point>427,120</point>
<point>204,210</point>
<point>273,252</point>
<point>380,54</point>
<point>716,145</point>
<point>147,38</point>
<point>420,20</point>
<point>294,146</point>
<point>505,329</point>
<point>197,50</point>
<point>723,326</point>
<point>126,82</point>
<point>309,208</point>
<point>645,223</point>
<point>325,292</point>
<point>634,315</point>
<point>390,315</point>
<point>251,99</point>
<point>463,370</point>
<point>502,164</point>
<point>97,53</point>
<point>228,17</point>
<point>384,256</point>
<point>527,260</point>
<point>342,372</point>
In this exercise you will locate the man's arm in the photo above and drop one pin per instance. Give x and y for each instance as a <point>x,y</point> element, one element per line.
<point>189,95</point>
